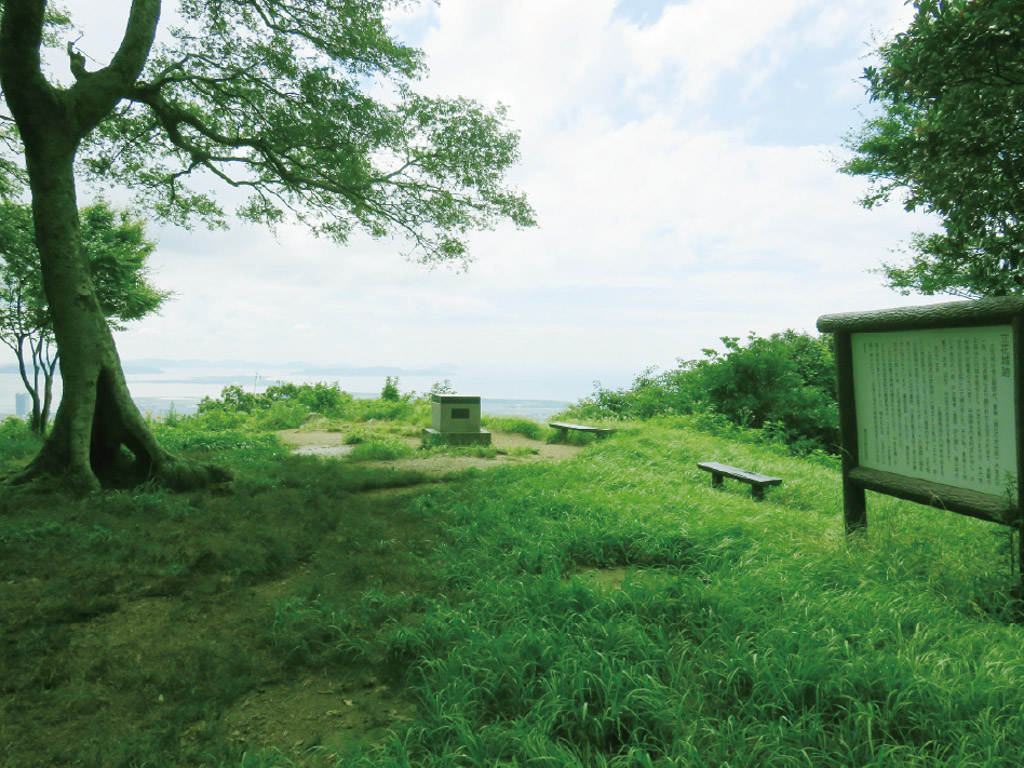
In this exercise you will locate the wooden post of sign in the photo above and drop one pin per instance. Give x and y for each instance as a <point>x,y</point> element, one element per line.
<point>985,363</point>
<point>855,514</point>
<point>1018,396</point>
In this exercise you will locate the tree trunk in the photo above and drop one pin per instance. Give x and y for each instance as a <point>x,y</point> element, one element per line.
<point>49,367</point>
<point>96,416</point>
<point>32,387</point>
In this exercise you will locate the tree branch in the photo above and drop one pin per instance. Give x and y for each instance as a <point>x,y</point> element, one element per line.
<point>95,94</point>
<point>26,90</point>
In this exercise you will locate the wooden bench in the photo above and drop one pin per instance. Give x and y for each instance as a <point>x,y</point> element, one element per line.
<point>561,425</point>
<point>758,482</point>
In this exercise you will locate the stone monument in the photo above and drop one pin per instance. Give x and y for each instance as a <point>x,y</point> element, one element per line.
<point>455,419</point>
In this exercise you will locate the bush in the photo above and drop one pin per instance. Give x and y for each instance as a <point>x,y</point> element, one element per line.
<point>390,391</point>
<point>517,424</point>
<point>406,411</point>
<point>283,415</point>
<point>321,398</point>
<point>16,439</point>
<point>286,406</point>
<point>787,380</point>
<point>784,384</point>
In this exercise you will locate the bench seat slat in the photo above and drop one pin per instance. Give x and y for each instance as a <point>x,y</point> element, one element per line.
<point>736,473</point>
<point>756,480</point>
<point>579,427</point>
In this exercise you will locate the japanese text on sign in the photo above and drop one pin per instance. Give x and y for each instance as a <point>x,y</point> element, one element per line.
<point>937,405</point>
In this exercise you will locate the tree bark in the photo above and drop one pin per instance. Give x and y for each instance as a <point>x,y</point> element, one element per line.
<point>96,415</point>
<point>30,386</point>
<point>49,366</point>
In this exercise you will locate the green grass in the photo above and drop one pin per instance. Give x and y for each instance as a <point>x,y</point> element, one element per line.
<point>744,633</point>
<point>440,448</point>
<point>313,633</point>
<point>610,610</point>
<point>134,625</point>
<point>516,424</point>
<point>523,450</point>
<point>381,447</point>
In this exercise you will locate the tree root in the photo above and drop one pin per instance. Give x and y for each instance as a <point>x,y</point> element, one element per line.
<point>44,479</point>
<point>185,475</point>
<point>179,475</point>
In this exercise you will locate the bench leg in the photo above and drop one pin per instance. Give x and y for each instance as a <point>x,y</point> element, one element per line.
<point>716,480</point>
<point>757,491</point>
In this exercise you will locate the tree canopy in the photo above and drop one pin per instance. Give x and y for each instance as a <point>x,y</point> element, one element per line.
<point>117,249</point>
<point>950,140</point>
<point>271,97</point>
<point>306,106</point>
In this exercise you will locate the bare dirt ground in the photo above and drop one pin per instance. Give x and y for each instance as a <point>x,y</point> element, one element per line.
<point>105,668</point>
<point>512,448</point>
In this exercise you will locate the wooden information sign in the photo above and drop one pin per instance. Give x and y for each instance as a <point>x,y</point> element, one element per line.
<point>930,406</point>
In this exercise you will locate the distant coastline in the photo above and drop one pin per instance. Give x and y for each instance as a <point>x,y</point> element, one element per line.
<point>158,385</point>
<point>538,410</point>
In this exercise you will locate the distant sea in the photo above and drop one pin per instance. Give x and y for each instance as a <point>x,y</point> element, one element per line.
<point>158,387</point>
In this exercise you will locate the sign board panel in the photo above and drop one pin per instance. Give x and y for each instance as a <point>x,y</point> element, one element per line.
<point>938,405</point>
<point>931,407</point>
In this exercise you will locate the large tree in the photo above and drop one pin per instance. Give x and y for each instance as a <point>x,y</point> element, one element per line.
<point>949,139</point>
<point>116,248</point>
<point>306,105</point>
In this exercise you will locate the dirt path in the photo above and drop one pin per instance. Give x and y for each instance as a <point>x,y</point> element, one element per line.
<point>512,448</point>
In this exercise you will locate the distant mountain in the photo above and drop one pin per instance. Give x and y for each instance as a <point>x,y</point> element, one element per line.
<point>446,369</point>
<point>140,367</point>
<point>135,367</point>
<point>222,380</point>
<point>245,365</point>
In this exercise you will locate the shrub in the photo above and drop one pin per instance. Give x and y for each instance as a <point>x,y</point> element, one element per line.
<point>517,424</point>
<point>322,398</point>
<point>283,415</point>
<point>390,391</point>
<point>325,399</point>
<point>289,406</point>
<point>784,384</point>
<point>787,379</point>
<point>16,439</point>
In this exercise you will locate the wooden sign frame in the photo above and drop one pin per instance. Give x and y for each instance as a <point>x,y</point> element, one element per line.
<point>1005,508</point>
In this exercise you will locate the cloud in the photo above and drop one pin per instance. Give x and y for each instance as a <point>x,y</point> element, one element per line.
<point>680,165</point>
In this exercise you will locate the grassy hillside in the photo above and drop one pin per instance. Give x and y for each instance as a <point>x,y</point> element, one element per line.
<point>612,609</point>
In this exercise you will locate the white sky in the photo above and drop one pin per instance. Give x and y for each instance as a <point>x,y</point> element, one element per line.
<point>681,159</point>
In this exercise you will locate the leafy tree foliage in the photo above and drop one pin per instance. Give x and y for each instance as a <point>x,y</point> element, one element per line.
<point>286,406</point>
<point>270,97</point>
<point>390,390</point>
<point>116,247</point>
<point>950,140</point>
<point>321,398</point>
<point>306,106</point>
<point>784,384</point>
